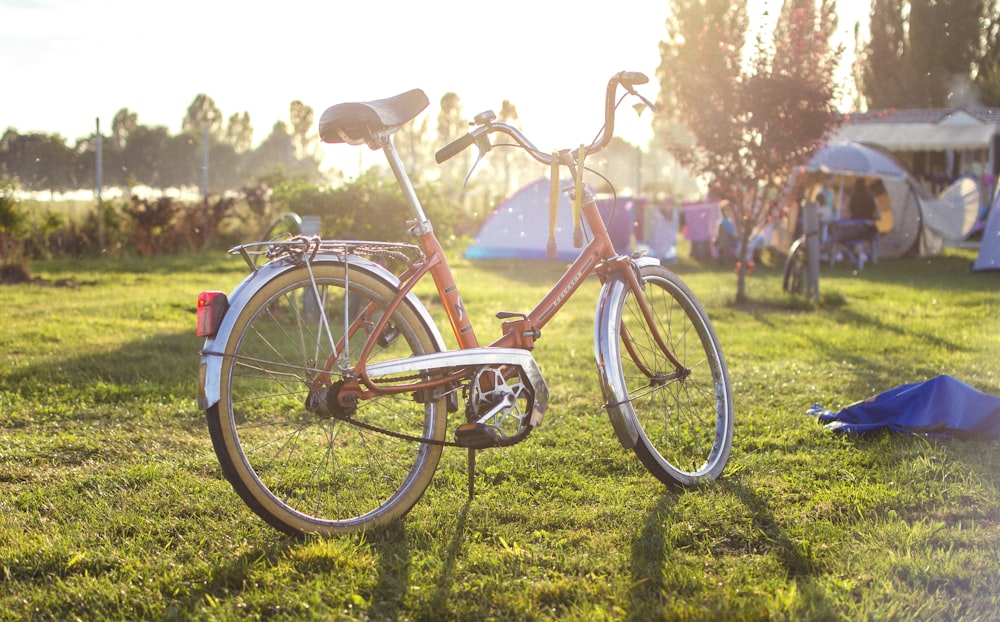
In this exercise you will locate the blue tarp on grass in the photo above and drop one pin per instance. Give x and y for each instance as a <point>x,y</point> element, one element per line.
<point>942,406</point>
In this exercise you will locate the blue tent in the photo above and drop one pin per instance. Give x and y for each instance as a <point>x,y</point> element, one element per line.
<point>989,249</point>
<point>942,406</point>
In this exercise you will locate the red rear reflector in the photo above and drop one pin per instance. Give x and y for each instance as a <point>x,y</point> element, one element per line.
<point>211,307</point>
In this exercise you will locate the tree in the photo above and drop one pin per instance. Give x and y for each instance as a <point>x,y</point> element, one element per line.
<point>511,160</point>
<point>945,37</point>
<point>123,125</point>
<point>414,148</point>
<point>304,142</point>
<point>38,161</point>
<point>202,114</point>
<point>274,152</point>
<point>181,162</point>
<point>239,132</point>
<point>748,126</point>
<point>924,53</point>
<point>451,125</point>
<point>143,155</point>
<point>13,225</point>
<point>987,80</point>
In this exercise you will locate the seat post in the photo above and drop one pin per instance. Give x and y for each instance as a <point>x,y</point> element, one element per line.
<point>396,164</point>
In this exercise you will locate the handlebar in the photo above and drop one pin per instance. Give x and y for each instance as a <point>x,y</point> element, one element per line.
<point>454,148</point>
<point>485,125</point>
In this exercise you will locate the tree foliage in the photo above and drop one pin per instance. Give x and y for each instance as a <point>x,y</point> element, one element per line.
<point>929,53</point>
<point>749,123</point>
<point>203,115</point>
<point>124,123</point>
<point>304,142</point>
<point>239,132</point>
<point>987,79</point>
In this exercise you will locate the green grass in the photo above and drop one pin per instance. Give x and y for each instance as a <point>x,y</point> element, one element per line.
<point>112,504</point>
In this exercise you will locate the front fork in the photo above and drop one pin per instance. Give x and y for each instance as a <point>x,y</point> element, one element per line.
<point>634,279</point>
<point>612,342</point>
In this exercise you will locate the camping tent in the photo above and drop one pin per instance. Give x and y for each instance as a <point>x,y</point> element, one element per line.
<point>519,226</point>
<point>989,250</point>
<point>920,222</point>
<point>956,218</point>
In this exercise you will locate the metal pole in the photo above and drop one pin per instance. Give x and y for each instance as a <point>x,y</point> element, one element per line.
<point>99,181</point>
<point>204,163</point>
<point>810,224</point>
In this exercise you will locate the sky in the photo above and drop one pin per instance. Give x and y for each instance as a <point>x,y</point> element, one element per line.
<point>66,63</point>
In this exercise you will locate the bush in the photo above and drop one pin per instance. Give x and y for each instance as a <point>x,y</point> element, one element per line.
<point>368,208</point>
<point>13,224</point>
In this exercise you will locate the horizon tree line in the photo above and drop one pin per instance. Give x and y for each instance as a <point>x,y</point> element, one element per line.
<point>134,154</point>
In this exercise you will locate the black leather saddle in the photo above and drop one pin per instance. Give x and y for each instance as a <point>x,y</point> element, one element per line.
<point>356,123</point>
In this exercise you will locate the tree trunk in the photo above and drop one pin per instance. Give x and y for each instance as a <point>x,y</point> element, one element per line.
<point>743,264</point>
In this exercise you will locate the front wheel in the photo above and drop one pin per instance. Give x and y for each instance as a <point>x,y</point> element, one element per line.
<point>681,408</point>
<point>308,471</point>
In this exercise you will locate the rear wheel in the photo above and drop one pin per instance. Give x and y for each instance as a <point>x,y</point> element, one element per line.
<point>684,414</point>
<point>303,470</point>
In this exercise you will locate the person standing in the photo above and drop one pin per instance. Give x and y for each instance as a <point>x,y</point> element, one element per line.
<point>862,205</point>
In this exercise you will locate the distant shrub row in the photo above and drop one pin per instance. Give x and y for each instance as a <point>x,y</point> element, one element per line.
<point>367,208</point>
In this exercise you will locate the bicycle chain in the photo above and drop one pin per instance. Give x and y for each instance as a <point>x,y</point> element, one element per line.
<point>399,435</point>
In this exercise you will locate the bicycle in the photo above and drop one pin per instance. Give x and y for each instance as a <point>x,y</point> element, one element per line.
<point>327,385</point>
<point>838,240</point>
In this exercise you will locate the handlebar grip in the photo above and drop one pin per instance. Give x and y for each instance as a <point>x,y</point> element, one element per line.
<point>453,148</point>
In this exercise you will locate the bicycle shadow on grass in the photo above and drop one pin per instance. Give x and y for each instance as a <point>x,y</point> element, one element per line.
<point>869,365</point>
<point>387,596</point>
<point>392,545</point>
<point>655,551</point>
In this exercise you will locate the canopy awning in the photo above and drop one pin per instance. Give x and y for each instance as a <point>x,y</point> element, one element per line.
<point>919,136</point>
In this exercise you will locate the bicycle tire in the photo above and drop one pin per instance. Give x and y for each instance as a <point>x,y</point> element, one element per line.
<point>299,471</point>
<point>685,425</point>
<point>794,276</point>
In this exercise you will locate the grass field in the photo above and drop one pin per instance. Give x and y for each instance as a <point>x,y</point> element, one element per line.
<point>112,504</point>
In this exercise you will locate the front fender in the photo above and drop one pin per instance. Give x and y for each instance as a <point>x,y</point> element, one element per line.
<point>608,351</point>
<point>210,369</point>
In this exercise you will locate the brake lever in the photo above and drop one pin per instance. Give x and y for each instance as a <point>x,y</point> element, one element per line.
<point>652,107</point>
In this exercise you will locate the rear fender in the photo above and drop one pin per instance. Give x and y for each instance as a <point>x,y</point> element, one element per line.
<point>210,369</point>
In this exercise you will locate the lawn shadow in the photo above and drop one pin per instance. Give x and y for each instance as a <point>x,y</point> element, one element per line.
<point>393,548</point>
<point>653,552</point>
<point>788,552</point>
<point>650,551</point>
<point>447,578</point>
<point>149,366</point>
<point>232,577</point>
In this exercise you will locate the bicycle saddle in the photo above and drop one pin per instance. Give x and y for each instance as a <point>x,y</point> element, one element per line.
<point>356,123</point>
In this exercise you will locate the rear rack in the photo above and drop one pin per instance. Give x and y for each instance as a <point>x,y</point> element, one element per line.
<point>305,248</point>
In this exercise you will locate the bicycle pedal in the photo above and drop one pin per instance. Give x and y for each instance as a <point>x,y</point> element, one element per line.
<point>477,436</point>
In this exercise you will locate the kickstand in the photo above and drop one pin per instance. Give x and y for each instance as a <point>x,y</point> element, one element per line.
<point>472,473</point>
